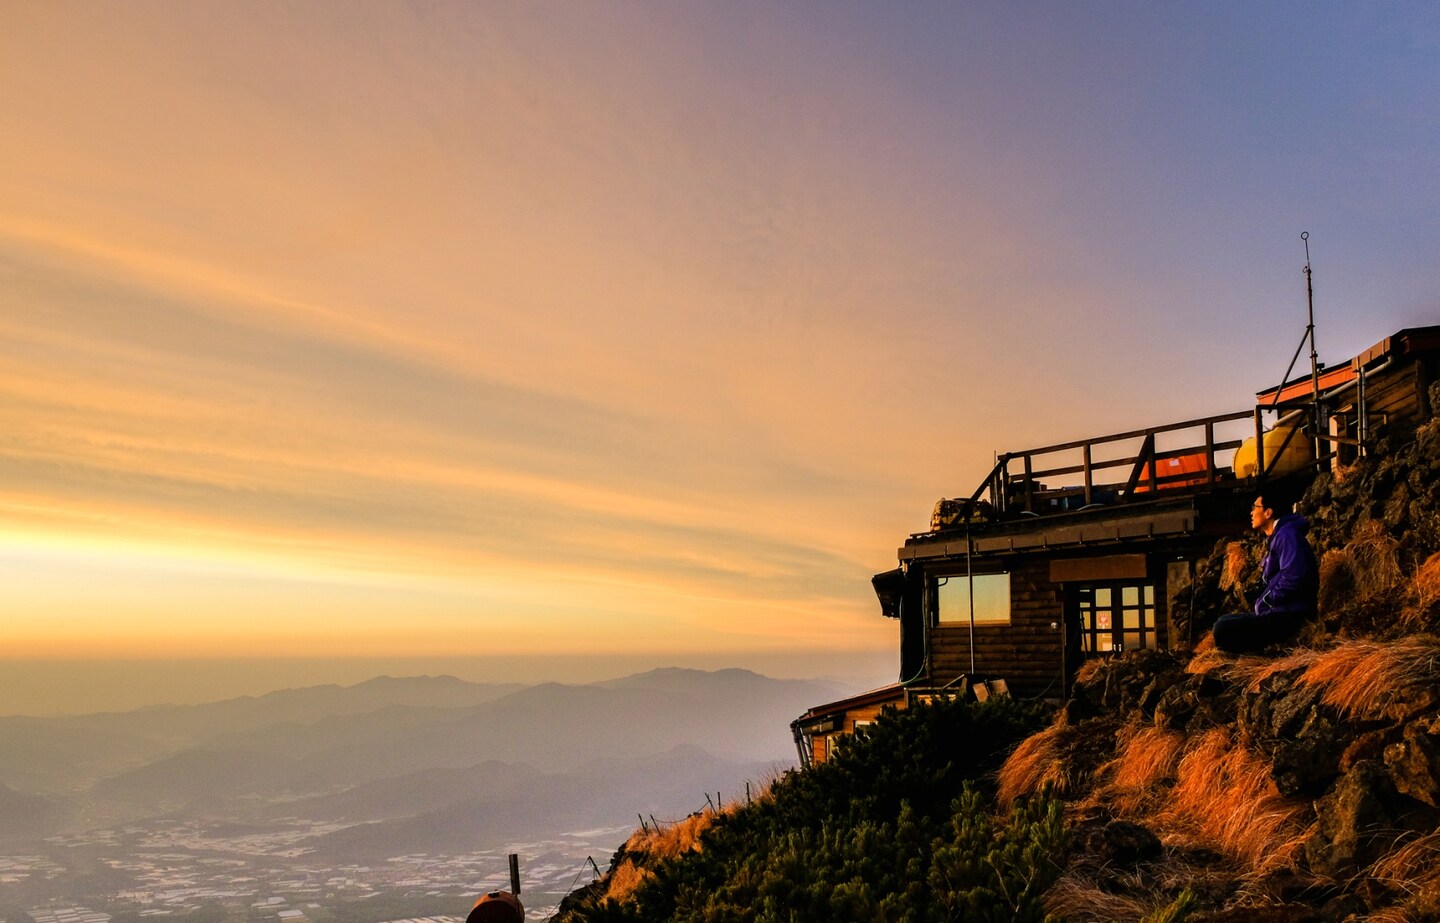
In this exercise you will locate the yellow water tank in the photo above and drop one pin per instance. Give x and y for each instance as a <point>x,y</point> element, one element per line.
<point>1288,442</point>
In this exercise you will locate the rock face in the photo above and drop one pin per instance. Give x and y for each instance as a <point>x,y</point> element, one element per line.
<point>1414,762</point>
<point>1354,821</point>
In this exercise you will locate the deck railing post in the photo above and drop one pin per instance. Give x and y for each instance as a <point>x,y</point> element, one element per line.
<point>1209,451</point>
<point>1029,486</point>
<point>1089,479</point>
<point>1361,427</point>
<point>1154,462</point>
<point>1004,480</point>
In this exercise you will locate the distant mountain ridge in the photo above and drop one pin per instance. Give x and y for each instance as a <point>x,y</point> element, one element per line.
<point>68,753</point>
<point>738,714</point>
<point>428,762</point>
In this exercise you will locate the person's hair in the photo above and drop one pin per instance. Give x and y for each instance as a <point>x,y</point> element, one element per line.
<point>1276,498</point>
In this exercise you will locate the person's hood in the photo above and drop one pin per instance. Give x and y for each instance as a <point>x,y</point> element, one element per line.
<point>1292,522</point>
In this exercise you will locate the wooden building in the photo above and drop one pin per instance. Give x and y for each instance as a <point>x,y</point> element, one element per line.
<point>1078,550</point>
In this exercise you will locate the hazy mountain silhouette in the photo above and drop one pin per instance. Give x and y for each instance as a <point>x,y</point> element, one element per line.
<point>25,816</point>
<point>193,775</point>
<point>70,753</point>
<point>419,764</point>
<point>667,785</point>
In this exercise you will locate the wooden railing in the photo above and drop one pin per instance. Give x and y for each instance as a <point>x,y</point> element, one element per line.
<point>1088,467</point>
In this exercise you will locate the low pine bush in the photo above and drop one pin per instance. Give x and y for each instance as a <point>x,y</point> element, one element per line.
<point>897,826</point>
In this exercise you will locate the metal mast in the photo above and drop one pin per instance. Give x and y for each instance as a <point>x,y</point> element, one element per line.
<point>1314,358</point>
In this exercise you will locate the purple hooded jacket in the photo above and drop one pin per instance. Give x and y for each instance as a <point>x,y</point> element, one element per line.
<point>1292,581</point>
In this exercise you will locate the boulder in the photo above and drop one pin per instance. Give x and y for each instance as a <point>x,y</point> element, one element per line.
<point>1369,745</point>
<point>1355,826</point>
<point>1306,761</point>
<point>1194,704</point>
<point>1414,763</point>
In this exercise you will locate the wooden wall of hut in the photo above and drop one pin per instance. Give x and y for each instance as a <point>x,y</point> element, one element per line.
<point>1025,652</point>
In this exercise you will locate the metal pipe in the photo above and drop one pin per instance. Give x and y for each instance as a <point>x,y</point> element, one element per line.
<point>970,580</point>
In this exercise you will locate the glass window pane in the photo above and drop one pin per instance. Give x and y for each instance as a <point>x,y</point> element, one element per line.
<point>1103,643</point>
<point>1149,595</point>
<point>992,599</point>
<point>1102,621</point>
<point>1102,596</point>
<point>1131,619</point>
<point>1132,640</point>
<point>1130,595</point>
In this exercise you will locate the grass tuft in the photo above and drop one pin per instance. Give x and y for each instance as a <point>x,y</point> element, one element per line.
<point>1079,897</point>
<point>1090,669</point>
<point>1427,581</point>
<point>1375,559</point>
<point>1225,795</point>
<point>1150,757</point>
<point>666,841</point>
<point>1361,678</point>
<point>1411,867</point>
<point>663,841</point>
<point>1337,579</point>
<point>1237,565</point>
<point>1037,762</point>
<point>1298,659</point>
<point>1146,758</point>
<point>625,881</point>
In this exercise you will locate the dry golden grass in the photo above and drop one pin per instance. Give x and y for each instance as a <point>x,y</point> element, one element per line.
<point>625,881</point>
<point>1150,757</point>
<point>1337,579</point>
<point>1361,677</point>
<point>1427,581</point>
<point>1146,757</point>
<point>663,841</point>
<point>1038,761</point>
<point>1078,897</point>
<point>1237,562</point>
<point>1207,657</point>
<point>1411,867</point>
<point>1422,613</point>
<point>1247,670</point>
<point>1298,659</point>
<point>666,841</point>
<point>1088,669</point>
<point>1224,795</point>
<point>1375,558</point>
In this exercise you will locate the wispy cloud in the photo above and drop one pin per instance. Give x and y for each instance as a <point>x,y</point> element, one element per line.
<point>527,325</point>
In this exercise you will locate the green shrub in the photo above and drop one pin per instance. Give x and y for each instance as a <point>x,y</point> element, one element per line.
<point>896,826</point>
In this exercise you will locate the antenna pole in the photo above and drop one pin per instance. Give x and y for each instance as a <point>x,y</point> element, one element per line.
<point>1310,332</point>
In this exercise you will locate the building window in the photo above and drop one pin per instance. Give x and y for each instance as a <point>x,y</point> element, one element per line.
<point>992,599</point>
<point>1116,617</point>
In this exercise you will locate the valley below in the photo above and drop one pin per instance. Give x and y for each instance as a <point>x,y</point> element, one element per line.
<point>395,799</point>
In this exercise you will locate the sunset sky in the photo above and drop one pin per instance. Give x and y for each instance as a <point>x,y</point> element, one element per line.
<point>582,337</point>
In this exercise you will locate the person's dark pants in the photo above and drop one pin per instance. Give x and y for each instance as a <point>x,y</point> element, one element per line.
<point>1247,632</point>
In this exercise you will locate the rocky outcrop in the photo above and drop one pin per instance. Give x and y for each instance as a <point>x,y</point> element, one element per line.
<point>1350,759</point>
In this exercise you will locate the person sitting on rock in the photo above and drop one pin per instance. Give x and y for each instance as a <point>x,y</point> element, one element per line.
<point>1291,583</point>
